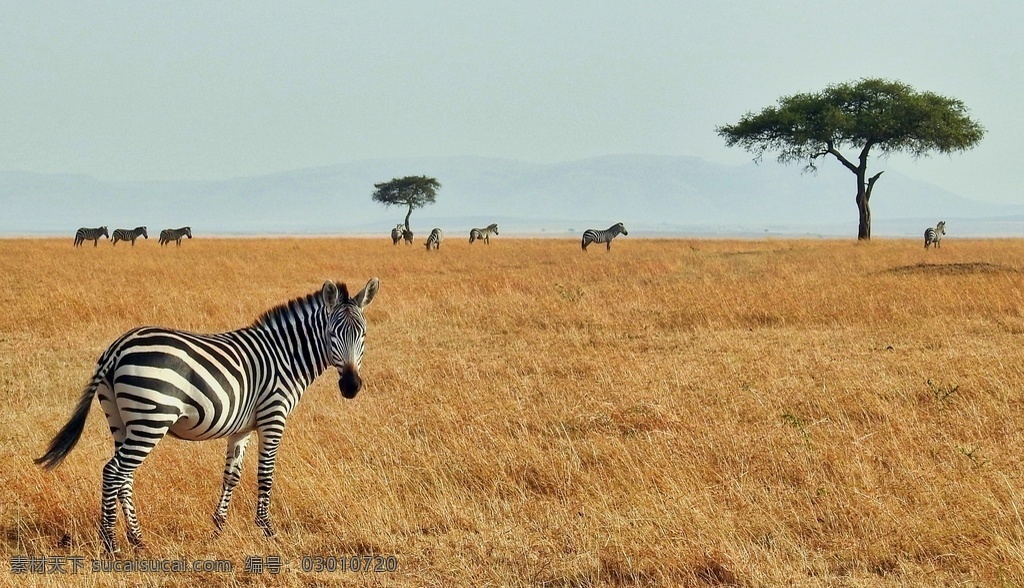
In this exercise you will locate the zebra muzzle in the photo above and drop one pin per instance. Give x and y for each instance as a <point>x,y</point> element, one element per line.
<point>349,382</point>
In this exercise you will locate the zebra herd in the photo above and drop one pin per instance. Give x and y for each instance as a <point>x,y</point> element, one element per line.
<point>166,236</point>
<point>434,240</point>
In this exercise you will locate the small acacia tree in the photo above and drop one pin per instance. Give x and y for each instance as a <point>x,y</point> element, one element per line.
<point>888,116</point>
<point>411,191</point>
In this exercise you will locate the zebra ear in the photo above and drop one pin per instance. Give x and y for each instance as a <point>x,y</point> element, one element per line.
<point>330,294</point>
<point>365,296</point>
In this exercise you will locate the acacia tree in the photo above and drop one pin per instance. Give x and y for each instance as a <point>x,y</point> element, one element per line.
<point>411,191</point>
<point>887,116</point>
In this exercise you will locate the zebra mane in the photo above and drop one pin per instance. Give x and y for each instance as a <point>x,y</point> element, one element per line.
<point>313,300</point>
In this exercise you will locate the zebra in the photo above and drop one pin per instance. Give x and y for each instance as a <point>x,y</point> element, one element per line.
<point>396,234</point>
<point>153,381</point>
<point>605,236</point>
<point>407,235</point>
<point>932,236</point>
<point>168,235</point>
<point>86,234</point>
<point>434,240</point>
<point>484,234</point>
<point>128,235</point>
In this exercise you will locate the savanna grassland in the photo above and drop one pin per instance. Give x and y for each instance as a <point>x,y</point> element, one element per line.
<point>674,412</point>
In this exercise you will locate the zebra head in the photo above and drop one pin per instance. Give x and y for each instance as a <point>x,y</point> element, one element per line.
<point>346,332</point>
<point>103,232</point>
<point>622,228</point>
<point>941,228</point>
<point>142,231</point>
<point>188,232</point>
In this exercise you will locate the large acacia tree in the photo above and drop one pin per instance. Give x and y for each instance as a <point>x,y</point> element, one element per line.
<point>871,114</point>
<point>411,191</point>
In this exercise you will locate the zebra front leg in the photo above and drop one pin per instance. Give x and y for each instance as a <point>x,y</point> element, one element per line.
<point>269,442</point>
<point>232,474</point>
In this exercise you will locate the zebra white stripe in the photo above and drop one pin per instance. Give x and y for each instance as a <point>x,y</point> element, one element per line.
<point>151,382</point>
<point>128,235</point>
<point>484,234</point>
<point>168,235</point>
<point>434,240</point>
<point>86,234</point>
<point>605,236</point>
<point>932,236</point>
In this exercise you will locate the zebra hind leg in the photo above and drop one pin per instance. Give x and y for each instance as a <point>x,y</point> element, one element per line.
<point>232,474</point>
<point>125,497</point>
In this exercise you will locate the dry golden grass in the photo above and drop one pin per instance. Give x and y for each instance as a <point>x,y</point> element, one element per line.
<point>675,412</point>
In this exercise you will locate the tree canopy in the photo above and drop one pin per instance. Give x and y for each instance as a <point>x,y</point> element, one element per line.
<point>871,114</point>
<point>410,191</point>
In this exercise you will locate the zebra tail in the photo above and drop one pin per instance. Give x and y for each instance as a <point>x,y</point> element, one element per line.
<point>68,436</point>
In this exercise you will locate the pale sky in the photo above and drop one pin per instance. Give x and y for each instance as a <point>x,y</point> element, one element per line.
<point>213,90</point>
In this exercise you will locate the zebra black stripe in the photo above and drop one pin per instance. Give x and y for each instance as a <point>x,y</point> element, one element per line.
<point>152,381</point>
<point>168,235</point>
<point>86,234</point>
<point>484,234</point>
<point>605,236</point>
<point>128,235</point>
<point>434,240</point>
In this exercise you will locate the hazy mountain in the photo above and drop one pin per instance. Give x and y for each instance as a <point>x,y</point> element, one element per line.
<point>651,194</point>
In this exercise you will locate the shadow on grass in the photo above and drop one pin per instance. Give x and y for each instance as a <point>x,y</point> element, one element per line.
<point>947,269</point>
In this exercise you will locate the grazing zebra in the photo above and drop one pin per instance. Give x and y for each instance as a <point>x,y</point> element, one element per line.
<point>168,235</point>
<point>407,235</point>
<point>484,234</point>
<point>605,236</point>
<point>434,240</point>
<point>396,234</point>
<point>85,234</point>
<point>128,235</point>
<point>932,236</point>
<point>151,382</point>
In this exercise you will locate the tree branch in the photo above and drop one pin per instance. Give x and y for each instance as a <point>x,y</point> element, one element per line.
<point>831,148</point>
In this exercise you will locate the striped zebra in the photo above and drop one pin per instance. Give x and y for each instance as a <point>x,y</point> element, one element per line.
<point>407,235</point>
<point>86,234</point>
<point>434,240</point>
<point>932,236</point>
<point>168,235</point>
<point>128,235</point>
<point>484,234</point>
<point>605,236</point>
<point>396,234</point>
<point>152,382</point>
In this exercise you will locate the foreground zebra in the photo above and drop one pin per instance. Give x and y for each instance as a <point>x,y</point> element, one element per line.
<point>128,235</point>
<point>86,234</point>
<point>396,234</point>
<point>484,234</point>
<point>932,236</point>
<point>605,236</point>
<point>168,235</point>
<point>434,240</point>
<point>151,382</point>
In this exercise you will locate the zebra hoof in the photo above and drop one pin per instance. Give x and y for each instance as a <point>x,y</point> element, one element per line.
<point>109,543</point>
<point>268,528</point>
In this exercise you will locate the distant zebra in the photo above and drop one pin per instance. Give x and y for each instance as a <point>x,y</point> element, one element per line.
<point>128,235</point>
<point>605,236</point>
<point>932,236</point>
<point>86,234</point>
<point>407,235</point>
<point>168,235</point>
<point>484,234</point>
<point>434,240</point>
<point>396,234</point>
<point>152,382</point>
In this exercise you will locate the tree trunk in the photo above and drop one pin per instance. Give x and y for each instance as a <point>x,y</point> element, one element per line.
<point>864,226</point>
<point>407,215</point>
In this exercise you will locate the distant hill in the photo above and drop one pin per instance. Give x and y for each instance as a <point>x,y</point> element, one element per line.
<point>650,194</point>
